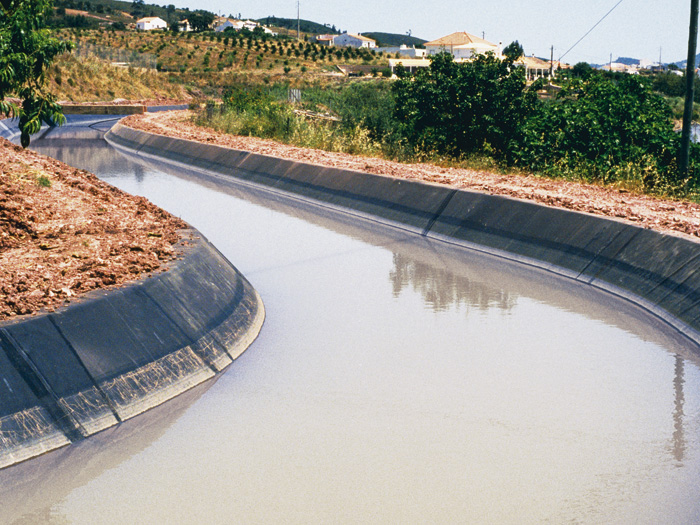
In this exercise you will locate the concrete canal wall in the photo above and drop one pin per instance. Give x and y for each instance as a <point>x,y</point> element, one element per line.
<point>115,354</point>
<point>657,271</point>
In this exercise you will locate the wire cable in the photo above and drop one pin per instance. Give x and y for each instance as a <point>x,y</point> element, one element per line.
<point>591,29</point>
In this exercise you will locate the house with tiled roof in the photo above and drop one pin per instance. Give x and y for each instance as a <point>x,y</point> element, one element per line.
<point>185,26</point>
<point>349,40</point>
<point>534,67</point>
<point>324,40</point>
<point>462,46</point>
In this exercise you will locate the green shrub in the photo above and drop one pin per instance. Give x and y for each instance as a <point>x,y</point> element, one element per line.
<point>605,129</point>
<point>458,109</point>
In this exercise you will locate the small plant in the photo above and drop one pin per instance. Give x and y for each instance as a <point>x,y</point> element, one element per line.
<point>43,181</point>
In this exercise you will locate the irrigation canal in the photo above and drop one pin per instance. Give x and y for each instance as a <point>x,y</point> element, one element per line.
<point>396,380</point>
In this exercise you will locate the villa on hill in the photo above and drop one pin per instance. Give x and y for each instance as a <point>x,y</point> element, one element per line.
<point>349,40</point>
<point>150,23</point>
<point>324,40</point>
<point>462,46</point>
<point>222,24</point>
<point>185,26</point>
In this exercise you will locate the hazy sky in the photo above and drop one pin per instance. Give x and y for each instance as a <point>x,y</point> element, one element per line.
<point>636,28</point>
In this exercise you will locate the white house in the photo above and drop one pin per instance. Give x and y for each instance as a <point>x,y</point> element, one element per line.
<point>150,23</point>
<point>223,24</point>
<point>325,40</point>
<point>185,25</point>
<point>348,40</point>
<point>534,67</point>
<point>404,50</point>
<point>461,45</point>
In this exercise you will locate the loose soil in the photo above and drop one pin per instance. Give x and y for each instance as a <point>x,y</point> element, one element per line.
<point>63,232</point>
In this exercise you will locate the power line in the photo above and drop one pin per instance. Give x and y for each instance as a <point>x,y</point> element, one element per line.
<point>591,29</point>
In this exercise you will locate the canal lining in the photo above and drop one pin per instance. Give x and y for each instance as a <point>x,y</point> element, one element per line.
<point>653,270</point>
<point>114,354</point>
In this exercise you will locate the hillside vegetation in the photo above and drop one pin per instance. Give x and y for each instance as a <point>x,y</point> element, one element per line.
<point>394,40</point>
<point>206,62</point>
<point>602,128</point>
<point>605,129</point>
<point>88,14</point>
<point>74,79</point>
<point>307,27</point>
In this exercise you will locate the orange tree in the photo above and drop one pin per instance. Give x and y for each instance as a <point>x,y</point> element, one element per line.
<point>26,51</point>
<point>460,108</point>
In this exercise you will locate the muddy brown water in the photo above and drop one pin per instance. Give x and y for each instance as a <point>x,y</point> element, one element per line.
<point>396,380</point>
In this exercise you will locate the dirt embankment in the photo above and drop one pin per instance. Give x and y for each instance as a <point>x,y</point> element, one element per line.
<point>63,232</point>
<point>666,216</point>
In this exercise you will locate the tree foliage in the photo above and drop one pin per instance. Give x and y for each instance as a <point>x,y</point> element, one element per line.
<point>513,50</point>
<point>201,20</point>
<point>26,51</point>
<point>370,105</point>
<point>457,108</point>
<point>603,126</point>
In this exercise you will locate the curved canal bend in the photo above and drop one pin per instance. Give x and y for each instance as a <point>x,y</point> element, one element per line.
<point>396,380</point>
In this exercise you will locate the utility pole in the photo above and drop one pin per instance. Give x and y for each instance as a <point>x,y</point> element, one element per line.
<point>551,65</point>
<point>298,23</point>
<point>689,90</point>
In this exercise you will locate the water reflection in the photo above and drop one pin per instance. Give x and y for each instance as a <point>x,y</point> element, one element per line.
<point>442,289</point>
<point>679,441</point>
<point>86,150</point>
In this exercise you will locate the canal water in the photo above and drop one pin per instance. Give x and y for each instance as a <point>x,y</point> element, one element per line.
<point>396,380</point>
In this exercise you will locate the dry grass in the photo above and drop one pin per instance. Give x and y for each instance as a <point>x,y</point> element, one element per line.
<point>91,80</point>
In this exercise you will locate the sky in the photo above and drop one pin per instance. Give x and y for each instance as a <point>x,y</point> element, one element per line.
<point>644,29</point>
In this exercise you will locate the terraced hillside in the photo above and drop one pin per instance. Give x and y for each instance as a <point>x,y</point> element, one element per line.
<point>109,64</point>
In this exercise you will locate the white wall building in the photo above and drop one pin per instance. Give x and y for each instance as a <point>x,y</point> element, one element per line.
<point>325,40</point>
<point>404,51</point>
<point>221,24</point>
<point>150,23</point>
<point>349,40</point>
<point>462,46</point>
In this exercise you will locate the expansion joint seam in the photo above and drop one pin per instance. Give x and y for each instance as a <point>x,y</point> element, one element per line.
<point>439,211</point>
<point>26,368</point>
<point>73,351</point>
<point>597,256</point>
<point>191,340</point>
